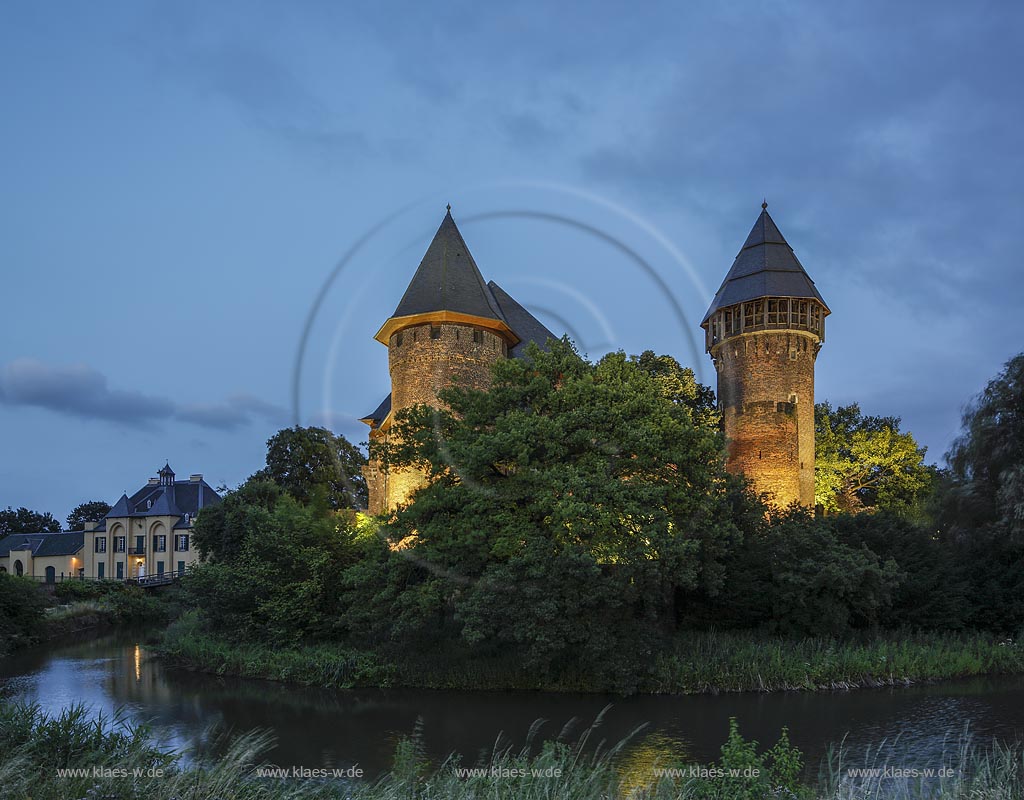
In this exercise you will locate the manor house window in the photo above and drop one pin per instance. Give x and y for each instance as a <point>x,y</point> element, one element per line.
<point>159,543</point>
<point>181,542</point>
<point>119,544</point>
<point>101,544</point>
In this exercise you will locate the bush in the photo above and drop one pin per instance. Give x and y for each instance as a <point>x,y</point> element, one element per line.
<point>72,591</point>
<point>22,608</point>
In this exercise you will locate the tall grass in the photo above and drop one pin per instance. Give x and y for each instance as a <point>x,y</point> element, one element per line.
<point>33,747</point>
<point>709,662</point>
<point>691,663</point>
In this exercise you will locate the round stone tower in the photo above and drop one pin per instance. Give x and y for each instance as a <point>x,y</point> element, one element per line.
<point>763,331</point>
<point>448,329</point>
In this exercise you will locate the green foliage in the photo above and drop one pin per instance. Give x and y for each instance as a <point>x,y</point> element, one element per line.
<point>92,511</point>
<point>25,521</point>
<point>864,462</point>
<point>132,605</point>
<point>34,746</point>
<point>931,592</point>
<point>279,579</point>
<point>818,584</point>
<point>569,498</point>
<point>680,385</point>
<point>795,574</point>
<point>310,462</point>
<point>220,530</point>
<point>982,505</point>
<point>74,739</point>
<point>188,643</point>
<point>740,661</point>
<point>22,609</point>
<point>72,590</point>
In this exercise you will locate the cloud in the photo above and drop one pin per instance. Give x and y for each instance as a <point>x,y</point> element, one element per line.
<point>83,392</point>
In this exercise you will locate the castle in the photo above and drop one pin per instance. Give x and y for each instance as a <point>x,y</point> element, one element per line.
<point>763,331</point>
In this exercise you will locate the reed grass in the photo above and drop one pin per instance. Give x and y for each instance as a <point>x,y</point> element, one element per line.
<point>34,746</point>
<point>692,663</point>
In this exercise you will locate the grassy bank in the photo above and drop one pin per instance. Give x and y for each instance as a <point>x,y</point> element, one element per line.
<point>731,662</point>
<point>51,758</point>
<point>695,663</point>
<point>30,614</point>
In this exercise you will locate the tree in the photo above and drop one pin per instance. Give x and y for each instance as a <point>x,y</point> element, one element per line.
<point>987,459</point>
<point>22,609</point>
<point>303,461</point>
<point>563,508</point>
<point>25,521</point>
<point>220,530</point>
<point>982,505</point>
<point>92,511</point>
<point>864,462</point>
<point>680,385</point>
<point>282,581</point>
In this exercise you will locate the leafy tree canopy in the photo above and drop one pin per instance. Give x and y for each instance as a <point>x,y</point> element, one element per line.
<point>982,505</point>
<point>25,521</point>
<point>680,385</point>
<point>564,506</point>
<point>987,459</point>
<point>865,462</point>
<point>303,461</point>
<point>92,511</point>
<point>277,577</point>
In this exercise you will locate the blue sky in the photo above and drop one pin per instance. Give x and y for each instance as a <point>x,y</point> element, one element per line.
<point>182,180</point>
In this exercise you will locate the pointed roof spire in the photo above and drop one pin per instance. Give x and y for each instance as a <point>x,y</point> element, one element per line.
<point>766,266</point>
<point>166,474</point>
<point>447,280</point>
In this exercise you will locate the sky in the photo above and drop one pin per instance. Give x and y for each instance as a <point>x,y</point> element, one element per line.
<point>210,209</point>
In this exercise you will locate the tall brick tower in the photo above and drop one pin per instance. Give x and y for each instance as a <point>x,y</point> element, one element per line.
<point>449,327</point>
<point>763,330</point>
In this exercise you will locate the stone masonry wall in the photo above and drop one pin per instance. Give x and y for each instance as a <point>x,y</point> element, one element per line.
<point>423,360</point>
<point>766,391</point>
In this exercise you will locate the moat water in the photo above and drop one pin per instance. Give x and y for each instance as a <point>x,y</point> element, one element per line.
<point>915,727</point>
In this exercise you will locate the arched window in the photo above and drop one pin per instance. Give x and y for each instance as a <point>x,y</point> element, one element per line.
<point>19,568</point>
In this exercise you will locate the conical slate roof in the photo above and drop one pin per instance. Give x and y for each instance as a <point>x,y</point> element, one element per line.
<point>448,280</point>
<point>765,267</point>
<point>526,326</point>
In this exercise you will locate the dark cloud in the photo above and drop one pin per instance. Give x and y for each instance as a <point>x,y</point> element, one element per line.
<point>913,146</point>
<point>83,392</point>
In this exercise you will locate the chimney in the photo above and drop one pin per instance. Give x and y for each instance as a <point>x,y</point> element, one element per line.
<point>196,478</point>
<point>89,525</point>
<point>153,482</point>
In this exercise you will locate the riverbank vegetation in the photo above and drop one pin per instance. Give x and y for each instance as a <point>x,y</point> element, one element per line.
<point>577,529</point>
<point>30,614</point>
<point>692,662</point>
<point>73,755</point>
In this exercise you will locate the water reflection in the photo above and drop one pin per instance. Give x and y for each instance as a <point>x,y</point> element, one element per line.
<point>911,727</point>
